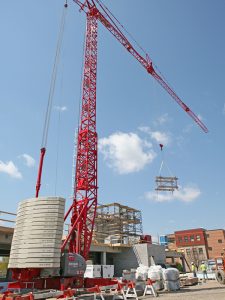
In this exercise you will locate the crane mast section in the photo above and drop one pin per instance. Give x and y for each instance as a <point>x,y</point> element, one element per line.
<point>85,186</point>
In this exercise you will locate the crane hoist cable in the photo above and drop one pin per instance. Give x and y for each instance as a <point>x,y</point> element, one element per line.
<point>53,79</point>
<point>163,163</point>
<point>50,98</point>
<point>58,130</point>
<point>165,183</point>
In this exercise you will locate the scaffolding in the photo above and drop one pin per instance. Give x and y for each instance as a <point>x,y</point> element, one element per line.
<point>166,184</point>
<point>117,225</point>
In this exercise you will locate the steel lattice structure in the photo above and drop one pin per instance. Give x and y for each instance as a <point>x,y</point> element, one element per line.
<point>85,189</point>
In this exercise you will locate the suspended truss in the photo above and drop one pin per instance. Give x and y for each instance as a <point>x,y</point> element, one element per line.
<point>166,184</point>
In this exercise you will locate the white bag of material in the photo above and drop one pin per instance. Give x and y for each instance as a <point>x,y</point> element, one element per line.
<point>158,285</point>
<point>171,274</point>
<point>155,273</point>
<point>172,285</point>
<point>171,278</point>
<point>142,272</point>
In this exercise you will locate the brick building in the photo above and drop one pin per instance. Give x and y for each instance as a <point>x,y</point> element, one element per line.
<point>193,244</point>
<point>198,244</point>
<point>172,242</point>
<point>216,242</point>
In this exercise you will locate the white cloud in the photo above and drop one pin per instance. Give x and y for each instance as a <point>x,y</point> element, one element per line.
<point>188,128</point>
<point>158,197</point>
<point>126,152</point>
<point>183,194</point>
<point>29,160</point>
<point>162,119</point>
<point>187,194</point>
<point>10,169</point>
<point>200,117</point>
<point>159,136</point>
<point>60,108</point>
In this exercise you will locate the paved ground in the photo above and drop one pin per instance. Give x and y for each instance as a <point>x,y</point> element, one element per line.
<point>210,290</point>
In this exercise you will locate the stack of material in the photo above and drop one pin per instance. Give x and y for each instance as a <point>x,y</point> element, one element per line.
<point>93,271</point>
<point>107,271</point>
<point>188,281</point>
<point>171,278</point>
<point>155,273</point>
<point>38,233</point>
<point>142,272</point>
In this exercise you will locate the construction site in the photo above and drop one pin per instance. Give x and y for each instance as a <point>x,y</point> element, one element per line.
<point>60,245</point>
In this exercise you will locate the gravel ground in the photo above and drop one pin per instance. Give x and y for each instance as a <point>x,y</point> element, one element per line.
<point>210,290</point>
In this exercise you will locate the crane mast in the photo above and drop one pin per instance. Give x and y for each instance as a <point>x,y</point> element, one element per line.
<point>84,203</point>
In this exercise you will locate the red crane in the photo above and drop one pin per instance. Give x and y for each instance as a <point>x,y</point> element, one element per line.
<point>84,203</point>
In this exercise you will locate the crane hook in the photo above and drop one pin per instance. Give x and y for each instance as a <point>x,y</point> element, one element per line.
<point>161,146</point>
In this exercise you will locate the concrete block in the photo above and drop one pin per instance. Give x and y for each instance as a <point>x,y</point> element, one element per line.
<point>35,254</point>
<point>33,265</point>
<point>28,230</point>
<point>25,236</point>
<point>46,224</point>
<point>43,200</point>
<point>34,260</point>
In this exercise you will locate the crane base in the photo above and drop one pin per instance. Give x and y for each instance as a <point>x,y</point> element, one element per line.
<point>60,283</point>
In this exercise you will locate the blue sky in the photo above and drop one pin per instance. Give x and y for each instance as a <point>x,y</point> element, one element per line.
<point>185,39</point>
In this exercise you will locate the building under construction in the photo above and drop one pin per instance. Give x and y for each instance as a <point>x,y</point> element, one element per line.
<point>116,224</point>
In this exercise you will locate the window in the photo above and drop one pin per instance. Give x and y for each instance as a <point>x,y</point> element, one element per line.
<point>188,252</point>
<point>180,239</point>
<point>207,235</point>
<point>198,238</point>
<point>200,250</point>
<point>195,252</point>
<point>192,238</point>
<point>186,239</point>
<point>210,248</point>
<point>220,241</point>
<point>6,236</point>
<point>171,240</point>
